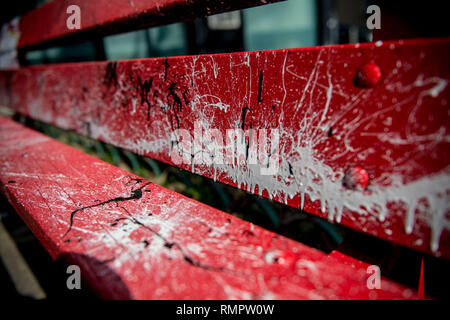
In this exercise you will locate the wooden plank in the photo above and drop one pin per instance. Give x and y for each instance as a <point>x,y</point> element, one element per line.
<point>372,158</point>
<point>135,239</point>
<point>47,25</point>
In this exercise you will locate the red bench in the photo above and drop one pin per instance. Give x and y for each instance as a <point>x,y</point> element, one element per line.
<point>352,133</point>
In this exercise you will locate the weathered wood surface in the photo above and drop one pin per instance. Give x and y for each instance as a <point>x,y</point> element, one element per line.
<point>135,239</point>
<point>363,129</point>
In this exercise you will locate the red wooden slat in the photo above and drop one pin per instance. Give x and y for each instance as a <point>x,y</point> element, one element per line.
<point>343,258</point>
<point>47,24</point>
<point>337,134</point>
<point>135,239</point>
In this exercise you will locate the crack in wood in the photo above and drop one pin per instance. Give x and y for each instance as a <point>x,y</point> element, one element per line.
<point>135,194</point>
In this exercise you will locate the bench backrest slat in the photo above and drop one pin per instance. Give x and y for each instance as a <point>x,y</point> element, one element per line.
<point>47,25</point>
<point>332,125</point>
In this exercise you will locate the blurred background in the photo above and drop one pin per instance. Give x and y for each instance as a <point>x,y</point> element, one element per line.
<point>287,24</point>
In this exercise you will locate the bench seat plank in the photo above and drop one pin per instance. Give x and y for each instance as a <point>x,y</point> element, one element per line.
<point>397,130</point>
<point>135,239</point>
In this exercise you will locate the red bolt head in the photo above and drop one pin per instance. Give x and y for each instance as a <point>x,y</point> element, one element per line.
<point>369,75</point>
<point>356,178</point>
<point>287,258</point>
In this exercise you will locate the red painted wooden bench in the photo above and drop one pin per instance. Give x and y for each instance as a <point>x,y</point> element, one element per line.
<point>357,134</point>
